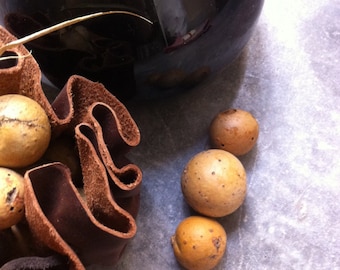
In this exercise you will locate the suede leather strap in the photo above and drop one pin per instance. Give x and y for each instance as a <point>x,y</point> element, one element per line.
<point>67,228</point>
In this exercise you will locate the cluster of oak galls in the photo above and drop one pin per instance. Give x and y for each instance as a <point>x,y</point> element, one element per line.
<point>214,184</point>
<point>25,135</point>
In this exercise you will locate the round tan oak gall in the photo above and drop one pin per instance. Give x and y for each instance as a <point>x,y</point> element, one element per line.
<point>214,183</point>
<point>25,131</point>
<point>234,130</point>
<point>199,243</point>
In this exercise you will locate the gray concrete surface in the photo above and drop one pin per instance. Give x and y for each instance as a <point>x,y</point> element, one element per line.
<point>288,77</point>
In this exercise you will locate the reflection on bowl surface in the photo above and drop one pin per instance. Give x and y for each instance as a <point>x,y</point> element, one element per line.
<point>187,41</point>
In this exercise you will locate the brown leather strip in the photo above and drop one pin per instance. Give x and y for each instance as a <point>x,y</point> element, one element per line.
<point>88,233</point>
<point>63,224</point>
<point>79,94</point>
<point>71,105</point>
<point>123,184</point>
<point>111,149</point>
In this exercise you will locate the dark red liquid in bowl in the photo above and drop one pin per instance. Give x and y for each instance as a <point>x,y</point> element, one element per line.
<point>123,51</point>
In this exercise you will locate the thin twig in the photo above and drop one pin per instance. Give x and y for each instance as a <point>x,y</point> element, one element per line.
<point>62,25</point>
<point>4,58</point>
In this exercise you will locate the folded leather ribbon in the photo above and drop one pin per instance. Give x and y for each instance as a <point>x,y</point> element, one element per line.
<point>69,230</point>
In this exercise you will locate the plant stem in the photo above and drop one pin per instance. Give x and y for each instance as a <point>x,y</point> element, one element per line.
<point>62,25</point>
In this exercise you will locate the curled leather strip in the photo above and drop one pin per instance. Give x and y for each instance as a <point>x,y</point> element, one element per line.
<point>71,231</point>
<point>87,233</point>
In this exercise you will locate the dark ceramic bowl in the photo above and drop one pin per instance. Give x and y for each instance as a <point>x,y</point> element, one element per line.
<point>187,41</point>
